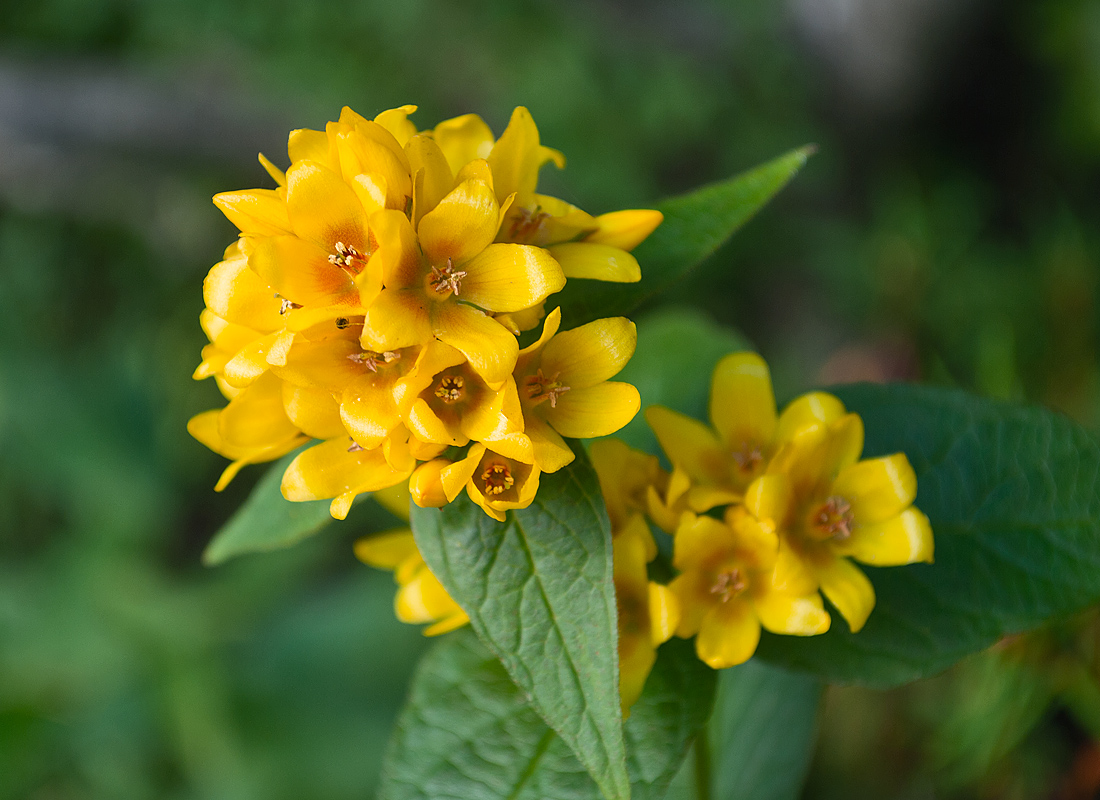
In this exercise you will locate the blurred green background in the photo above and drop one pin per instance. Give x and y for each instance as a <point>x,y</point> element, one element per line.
<point>946,231</point>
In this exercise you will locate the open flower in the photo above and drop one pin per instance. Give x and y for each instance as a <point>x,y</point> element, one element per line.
<point>564,388</point>
<point>493,481</point>
<point>726,590</point>
<point>420,598</point>
<point>829,507</point>
<point>722,462</point>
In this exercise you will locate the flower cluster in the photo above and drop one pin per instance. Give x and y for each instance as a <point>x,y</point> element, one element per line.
<point>374,301</point>
<point>768,511</point>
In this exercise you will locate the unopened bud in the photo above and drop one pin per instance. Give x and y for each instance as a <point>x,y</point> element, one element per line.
<point>426,485</point>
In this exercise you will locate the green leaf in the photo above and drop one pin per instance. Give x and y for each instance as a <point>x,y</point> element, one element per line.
<point>695,225</point>
<point>267,520</point>
<point>1013,494</point>
<point>677,351</point>
<point>539,592</point>
<point>468,732</point>
<point>762,732</point>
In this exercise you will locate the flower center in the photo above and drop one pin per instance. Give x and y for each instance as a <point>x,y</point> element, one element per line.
<point>748,458</point>
<point>497,479</point>
<point>833,520</point>
<point>451,388</point>
<point>446,279</point>
<point>348,258</point>
<point>540,388</point>
<point>372,360</point>
<point>527,223</point>
<point>728,585</point>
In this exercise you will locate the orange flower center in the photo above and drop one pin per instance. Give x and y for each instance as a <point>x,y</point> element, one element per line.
<point>451,388</point>
<point>446,280</point>
<point>748,458</point>
<point>497,479</point>
<point>833,520</point>
<point>526,224</point>
<point>540,388</point>
<point>728,585</point>
<point>372,360</point>
<point>348,258</point>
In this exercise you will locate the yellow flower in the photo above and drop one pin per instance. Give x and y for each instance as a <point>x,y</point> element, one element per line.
<point>828,506</point>
<point>421,598</point>
<point>648,615</point>
<point>494,482</point>
<point>722,462</point>
<point>726,591</point>
<point>564,388</point>
<point>625,474</point>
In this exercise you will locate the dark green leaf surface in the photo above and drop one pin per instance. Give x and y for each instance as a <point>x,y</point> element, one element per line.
<point>538,589</point>
<point>1013,494</point>
<point>468,733</point>
<point>267,520</point>
<point>762,732</point>
<point>695,225</point>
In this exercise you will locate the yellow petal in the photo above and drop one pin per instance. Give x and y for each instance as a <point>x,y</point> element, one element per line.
<point>463,139</point>
<point>248,363</point>
<point>664,613</point>
<point>371,191</point>
<point>395,499</point>
<point>903,539</point>
<point>307,145</point>
<point>236,294</point>
<point>328,470</point>
<point>796,615</point>
<point>487,345</point>
<point>701,541</point>
<point>368,411</point>
<point>423,599</point>
<point>276,174</point>
<point>847,588</point>
<point>426,426</point>
<point>815,408</point>
<point>397,318</point>
<point>878,488</point>
<point>636,659</point>
<point>517,155</point>
<point>397,257</point>
<point>510,277</point>
<point>204,427</point>
<point>704,498</point>
<point>371,148</point>
<point>301,272</point>
<point>256,418</point>
<point>551,453</point>
<point>742,404</point>
<point>447,624</point>
<point>259,212</point>
<point>386,550</point>
<point>313,411</point>
<point>769,498</point>
<point>728,635</point>
<point>527,354</point>
<point>456,476</point>
<point>625,229</point>
<point>594,410</point>
<point>591,353</point>
<point>598,262</point>
<point>323,209</point>
<point>395,120</point>
<point>791,574</point>
<point>690,445</point>
<point>462,225</point>
<point>433,178</point>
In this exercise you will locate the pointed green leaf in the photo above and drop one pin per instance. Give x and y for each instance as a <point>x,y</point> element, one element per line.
<point>1013,494</point>
<point>468,733</point>
<point>695,225</point>
<point>539,592</point>
<point>267,520</point>
<point>762,732</point>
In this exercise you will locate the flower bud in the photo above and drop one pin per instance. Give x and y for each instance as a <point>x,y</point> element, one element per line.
<point>425,485</point>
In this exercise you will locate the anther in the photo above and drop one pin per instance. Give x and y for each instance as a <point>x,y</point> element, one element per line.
<point>540,388</point>
<point>286,305</point>
<point>527,223</point>
<point>497,479</point>
<point>834,519</point>
<point>348,258</point>
<point>728,585</point>
<point>372,360</point>
<point>446,279</point>
<point>451,388</point>
<point>356,447</point>
<point>748,458</point>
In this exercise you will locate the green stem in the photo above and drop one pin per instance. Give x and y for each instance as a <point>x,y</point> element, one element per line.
<point>702,765</point>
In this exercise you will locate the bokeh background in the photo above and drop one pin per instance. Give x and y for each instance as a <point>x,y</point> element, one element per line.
<point>948,230</point>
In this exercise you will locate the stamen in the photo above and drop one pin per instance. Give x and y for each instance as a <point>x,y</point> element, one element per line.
<point>372,360</point>
<point>540,388</point>
<point>497,479</point>
<point>451,388</point>
<point>834,519</point>
<point>527,223</point>
<point>356,447</point>
<point>287,305</point>
<point>446,279</point>
<point>728,585</point>
<point>748,458</point>
<point>348,258</point>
